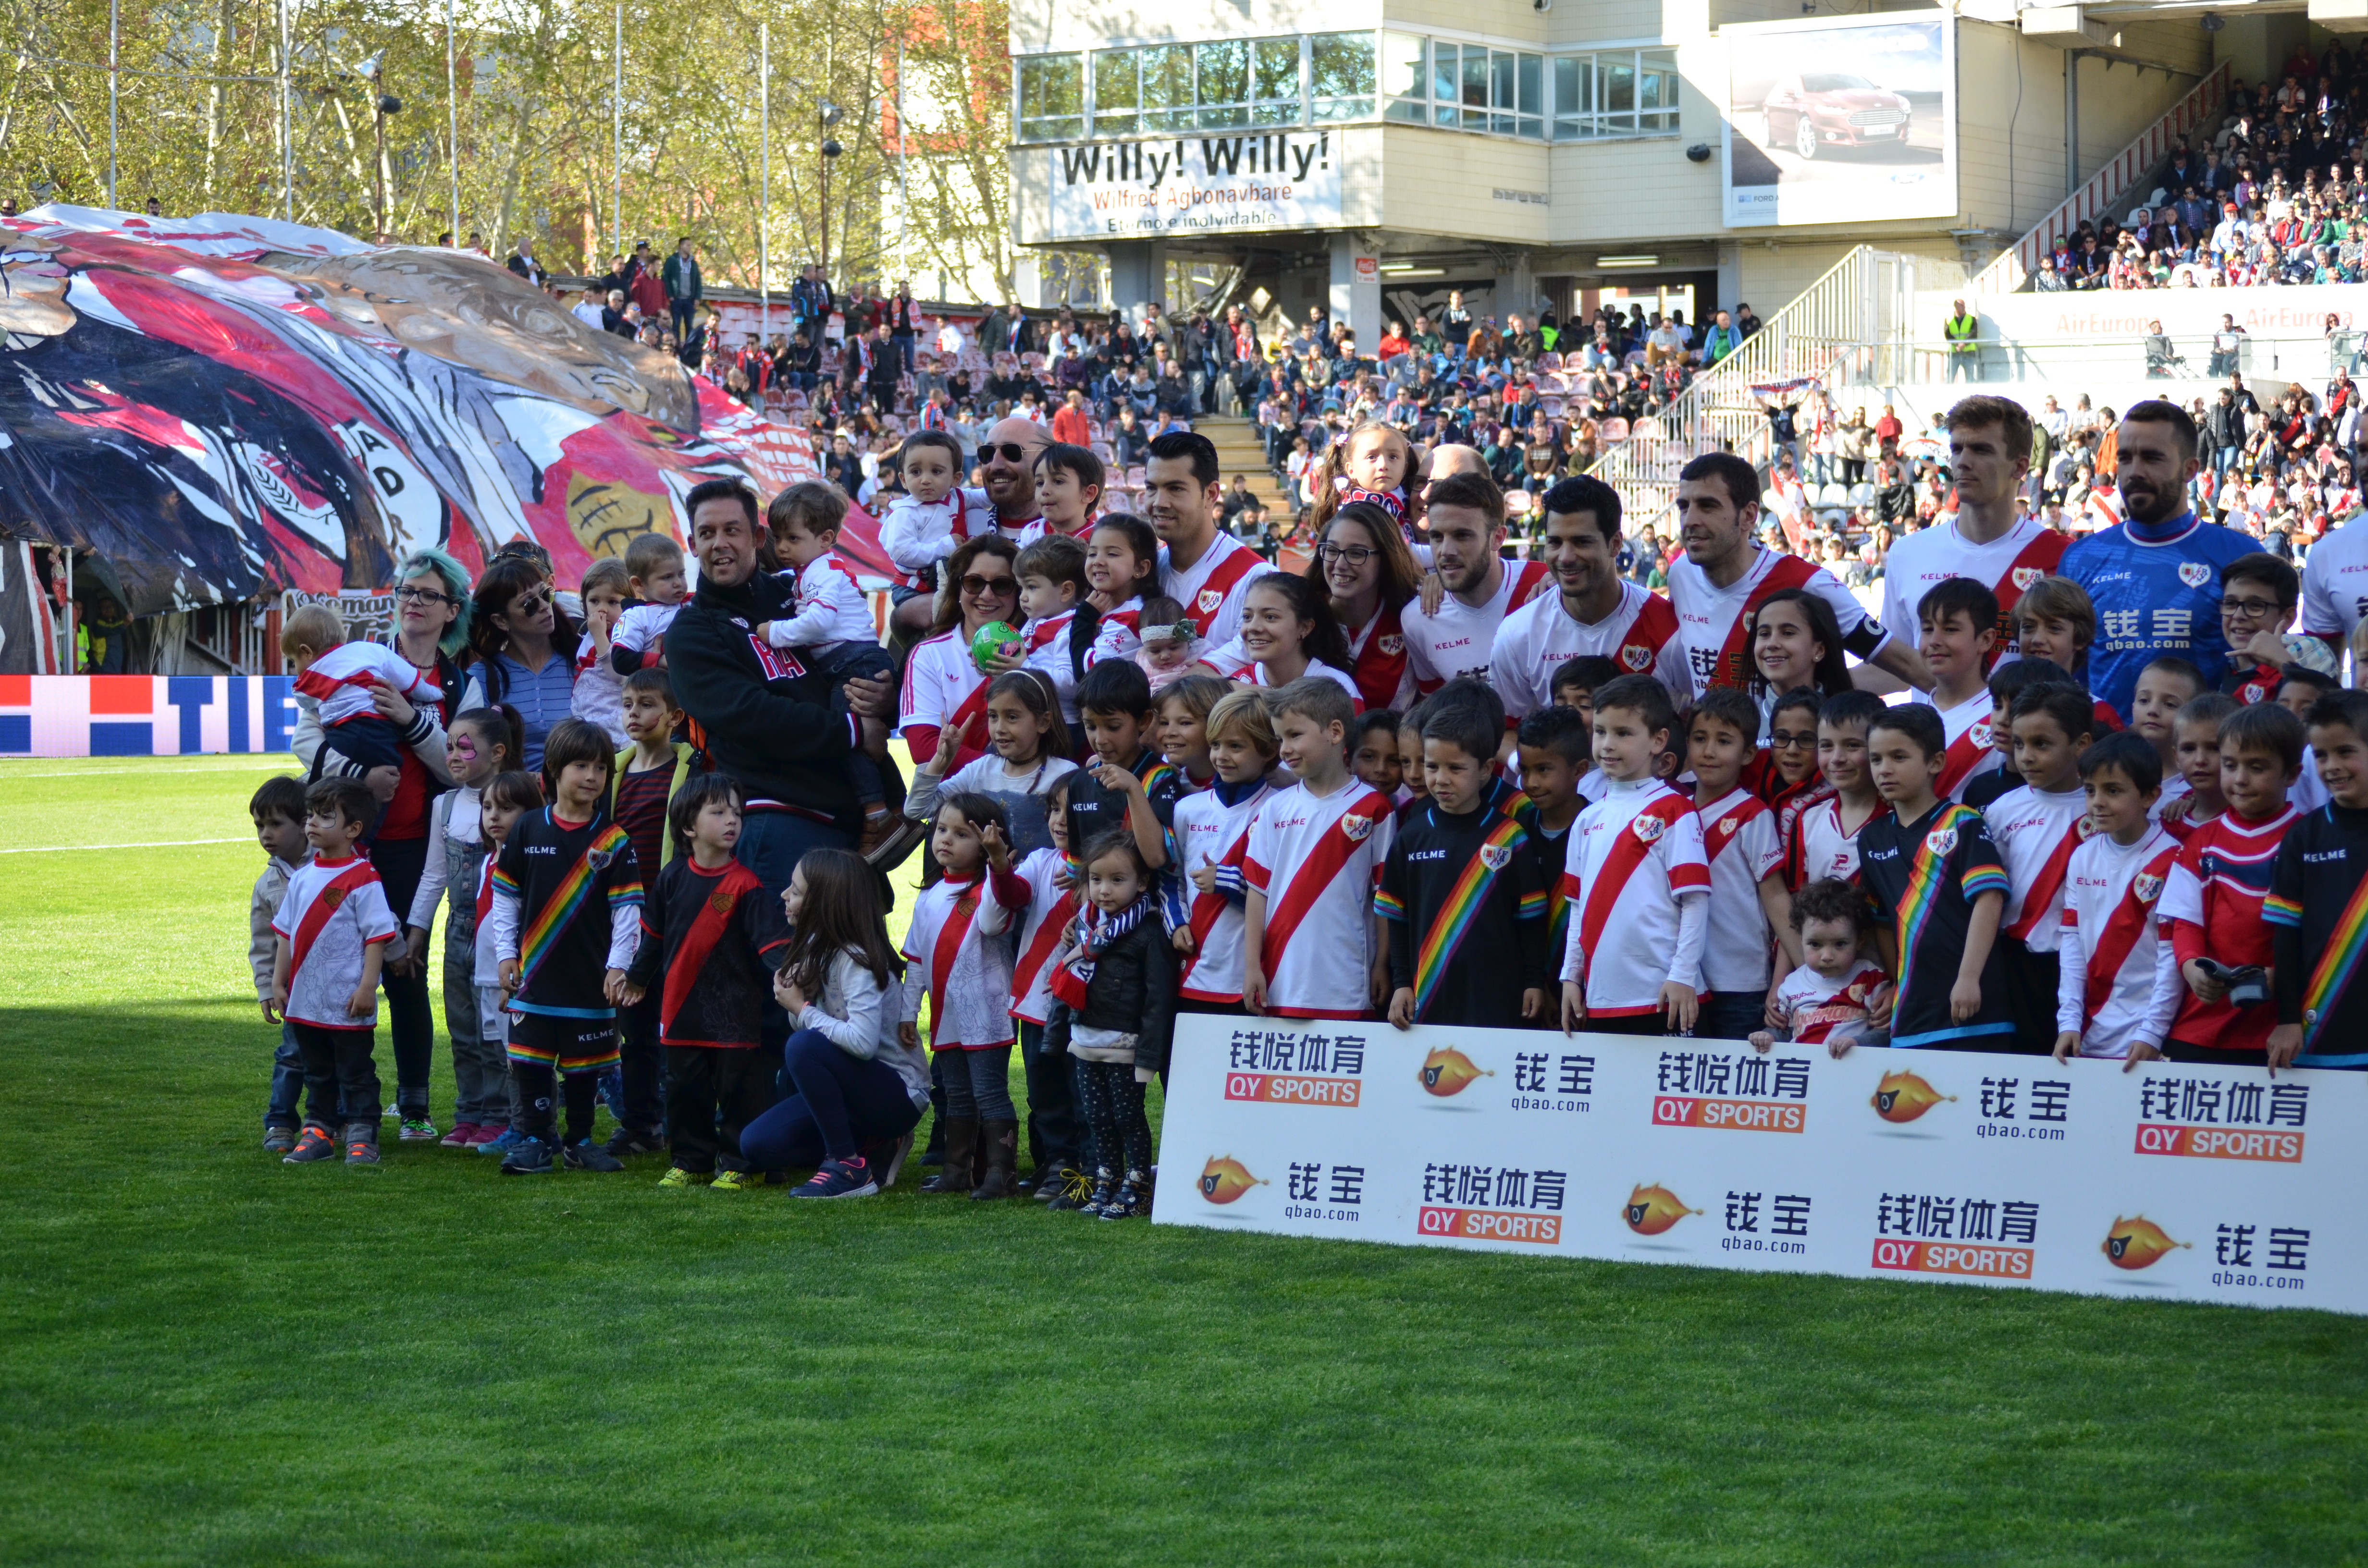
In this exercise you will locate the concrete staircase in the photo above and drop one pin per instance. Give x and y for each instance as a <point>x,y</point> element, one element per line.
<point>1241,448</point>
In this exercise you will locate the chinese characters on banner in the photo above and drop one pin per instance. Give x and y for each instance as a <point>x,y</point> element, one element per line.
<point>2170,1182</point>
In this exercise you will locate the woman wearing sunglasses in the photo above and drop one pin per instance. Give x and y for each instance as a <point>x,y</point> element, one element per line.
<point>943,685</point>
<point>526,649</point>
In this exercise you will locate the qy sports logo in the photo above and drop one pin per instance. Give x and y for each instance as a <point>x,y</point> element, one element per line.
<point>2215,1119</point>
<point>1491,1203</point>
<point>1295,1067</point>
<point>1743,1092</point>
<point>1922,1232</point>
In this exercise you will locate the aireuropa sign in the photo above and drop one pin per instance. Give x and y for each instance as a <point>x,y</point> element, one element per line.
<point>1193,184</point>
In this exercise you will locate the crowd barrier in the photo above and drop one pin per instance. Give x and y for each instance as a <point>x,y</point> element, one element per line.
<point>2171,1182</point>
<point>144,715</point>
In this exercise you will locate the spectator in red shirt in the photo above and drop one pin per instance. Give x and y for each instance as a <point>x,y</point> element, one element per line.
<point>1888,430</point>
<point>1070,423</point>
<point>1393,342</point>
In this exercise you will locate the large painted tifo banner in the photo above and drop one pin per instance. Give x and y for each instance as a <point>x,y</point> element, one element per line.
<point>145,715</point>
<point>2170,1182</point>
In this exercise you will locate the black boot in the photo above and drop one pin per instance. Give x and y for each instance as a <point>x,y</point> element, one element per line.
<point>962,1142</point>
<point>999,1140</point>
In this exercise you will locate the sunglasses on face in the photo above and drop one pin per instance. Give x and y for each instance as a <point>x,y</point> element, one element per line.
<point>976,586</point>
<point>1011,451</point>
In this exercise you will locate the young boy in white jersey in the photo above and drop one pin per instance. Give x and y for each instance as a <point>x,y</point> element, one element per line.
<point>278,809</point>
<point>654,569</point>
<point>1750,911</point>
<point>1839,998</point>
<point>1069,482</point>
<point>1212,829</point>
<point>1825,835</point>
<point>1637,880</point>
<point>2118,986</point>
<point>1575,682</point>
<point>2007,682</point>
<point>1059,626</point>
<point>333,936</point>
<point>927,523</point>
<point>2165,686</point>
<point>1312,946</point>
<point>1959,620</point>
<point>2036,828</point>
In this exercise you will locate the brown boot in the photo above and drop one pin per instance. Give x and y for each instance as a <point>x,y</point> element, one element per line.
<point>962,1143</point>
<point>1001,1142</point>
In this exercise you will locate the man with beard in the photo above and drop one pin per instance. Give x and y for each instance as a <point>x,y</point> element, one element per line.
<point>1466,516</point>
<point>1201,567</point>
<point>1007,504</point>
<point>1724,575</point>
<point>1592,612</point>
<point>2155,578</point>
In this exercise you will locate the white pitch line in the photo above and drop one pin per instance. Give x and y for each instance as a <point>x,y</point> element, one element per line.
<point>77,848</point>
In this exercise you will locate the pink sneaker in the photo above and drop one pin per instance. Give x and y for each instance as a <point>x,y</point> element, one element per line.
<point>482,1135</point>
<point>464,1133</point>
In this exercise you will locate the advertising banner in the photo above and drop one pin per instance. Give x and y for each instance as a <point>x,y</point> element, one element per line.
<point>2168,1183</point>
<point>1836,121</point>
<point>144,715</point>
<point>1195,184</point>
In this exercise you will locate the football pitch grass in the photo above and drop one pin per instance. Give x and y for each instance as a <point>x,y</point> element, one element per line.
<point>209,1358</point>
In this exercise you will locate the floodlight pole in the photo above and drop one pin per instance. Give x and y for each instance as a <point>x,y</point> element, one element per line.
<point>287,143</point>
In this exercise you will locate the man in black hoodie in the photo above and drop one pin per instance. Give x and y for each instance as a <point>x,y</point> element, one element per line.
<point>759,713</point>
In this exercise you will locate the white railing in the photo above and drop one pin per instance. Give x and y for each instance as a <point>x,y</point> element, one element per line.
<point>2111,187</point>
<point>1845,327</point>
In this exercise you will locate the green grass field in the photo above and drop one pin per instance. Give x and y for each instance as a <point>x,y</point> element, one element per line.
<point>209,1358</point>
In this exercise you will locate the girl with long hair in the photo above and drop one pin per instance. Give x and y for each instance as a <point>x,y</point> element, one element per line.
<point>944,685</point>
<point>1362,562</point>
<point>526,649</point>
<point>1288,632</point>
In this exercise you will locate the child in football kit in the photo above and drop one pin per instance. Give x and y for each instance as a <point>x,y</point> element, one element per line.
<point>2164,687</point>
<point>1936,879</point>
<point>1212,831</point>
<point>566,914</point>
<point>1055,1135</point>
<point>500,805</point>
<point>1463,890</point>
<point>653,567</point>
<point>1027,754</point>
<point>1060,628</point>
<point>1958,618</point>
<point>278,810</point>
<point>481,745</point>
<point>1789,782</point>
<point>1124,782</point>
<point>1170,642</point>
<point>710,941</point>
<point>331,935</point>
<point>2192,797</point>
<point>959,951</point>
<point>2259,594</point>
<point>338,676</point>
<point>1555,752</point>
<point>2037,828</point>
<point>1069,484</point>
<point>1824,843</point>
<point>1312,946</point>
<point>1837,997</point>
<point>2007,682</point>
<point>2056,622</point>
<point>2118,980</point>
<point>1122,564</point>
<point>1373,750</point>
<point>929,522</point>
<point>599,694</point>
<point>1637,880</point>
<point>2318,902</point>
<point>648,776</point>
<point>1114,1011</point>
<point>1179,727</point>
<point>2214,901</point>
<point>1750,911</point>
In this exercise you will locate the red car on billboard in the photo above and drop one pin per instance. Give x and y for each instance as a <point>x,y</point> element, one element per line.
<point>1814,109</point>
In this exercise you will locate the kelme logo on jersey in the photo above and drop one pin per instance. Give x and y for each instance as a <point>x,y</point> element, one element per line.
<point>1209,600</point>
<point>1904,1097</point>
<point>1393,643</point>
<point>1355,827</point>
<point>2138,1242</point>
<point>1647,827</point>
<point>2195,573</point>
<point>1495,857</point>
<point>1653,1210</point>
<point>1636,659</point>
<point>1447,1072</point>
<point>1224,1179</point>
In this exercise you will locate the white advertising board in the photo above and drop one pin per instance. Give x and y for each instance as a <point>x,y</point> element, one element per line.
<point>1839,120</point>
<point>1194,184</point>
<point>2171,1182</point>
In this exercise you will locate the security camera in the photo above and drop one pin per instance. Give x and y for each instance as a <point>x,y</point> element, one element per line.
<point>1541,5</point>
<point>1699,152</point>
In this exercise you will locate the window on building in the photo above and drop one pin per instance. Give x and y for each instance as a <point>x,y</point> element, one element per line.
<point>1166,86</point>
<point>1052,98</point>
<point>1274,82</point>
<point>1465,87</point>
<point>1628,92</point>
<point>1406,78</point>
<point>1340,77</point>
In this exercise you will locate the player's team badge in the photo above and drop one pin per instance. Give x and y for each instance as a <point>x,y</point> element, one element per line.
<point>2146,888</point>
<point>1355,827</point>
<point>598,859</point>
<point>1981,734</point>
<point>2195,573</point>
<point>1495,857</point>
<point>2024,576</point>
<point>1726,826</point>
<point>720,901</point>
<point>1392,644</point>
<point>1209,600</point>
<point>1638,660</point>
<point>333,897</point>
<point>1648,828</point>
<point>1939,841</point>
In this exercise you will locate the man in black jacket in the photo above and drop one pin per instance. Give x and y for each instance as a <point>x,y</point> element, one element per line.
<point>759,713</point>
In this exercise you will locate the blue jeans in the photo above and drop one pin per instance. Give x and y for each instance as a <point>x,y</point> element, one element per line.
<point>1731,1015</point>
<point>772,845</point>
<point>978,1084</point>
<point>840,1102</point>
<point>287,1084</point>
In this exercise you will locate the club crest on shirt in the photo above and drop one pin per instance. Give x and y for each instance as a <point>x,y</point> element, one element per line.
<point>1648,828</point>
<point>2253,692</point>
<point>2195,573</point>
<point>2024,576</point>
<point>1637,659</point>
<point>332,896</point>
<point>1495,857</point>
<point>1393,643</point>
<point>1941,840</point>
<point>1980,734</point>
<point>1726,826</point>
<point>598,859</point>
<point>2146,888</point>
<point>721,901</point>
<point>1355,827</point>
<point>1209,600</point>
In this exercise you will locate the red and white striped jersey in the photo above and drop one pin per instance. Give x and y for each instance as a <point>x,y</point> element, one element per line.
<point>333,913</point>
<point>1316,860</point>
<point>1739,840</point>
<point>2036,833</point>
<point>1970,754</point>
<point>1630,858</point>
<point>1461,639</point>
<point>1209,833</point>
<point>1050,908</point>
<point>2119,981</point>
<point>1641,637</point>
<point>2007,565</point>
<point>942,686</point>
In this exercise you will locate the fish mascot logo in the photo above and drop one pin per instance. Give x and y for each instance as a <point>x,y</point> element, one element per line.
<point>1652,1210</point>
<point>1447,1071</point>
<point>1224,1178</point>
<point>2138,1243</point>
<point>1904,1097</point>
